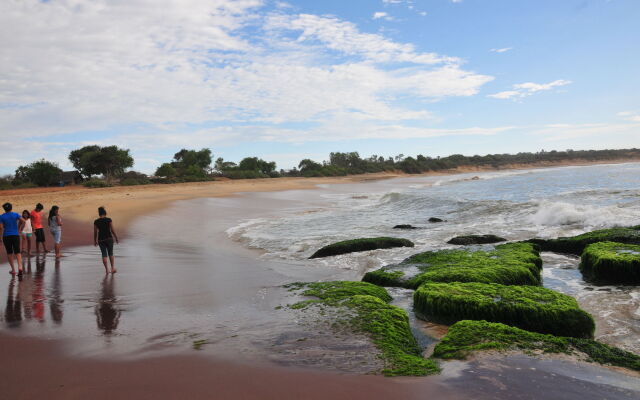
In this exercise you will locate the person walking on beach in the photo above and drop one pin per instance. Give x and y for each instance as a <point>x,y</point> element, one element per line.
<point>27,232</point>
<point>103,236</point>
<point>11,224</point>
<point>55,227</point>
<point>36,223</point>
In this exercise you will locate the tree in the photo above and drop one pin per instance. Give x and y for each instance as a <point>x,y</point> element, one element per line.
<point>308,165</point>
<point>109,161</point>
<point>166,170</point>
<point>257,164</point>
<point>185,159</point>
<point>41,173</point>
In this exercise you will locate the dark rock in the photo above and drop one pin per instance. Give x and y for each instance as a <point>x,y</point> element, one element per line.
<point>434,220</point>
<point>476,239</point>
<point>405,226</point>
<point>365,244</point>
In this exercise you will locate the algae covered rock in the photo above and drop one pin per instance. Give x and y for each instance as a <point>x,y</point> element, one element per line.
<point>611,262</point>
<point>576,244</point>
<point>507,264</point>
<point>365,244</point>
<point>531,308</point>
<point>476,239</point>
<point>466,337</point>
<point>366,310</point>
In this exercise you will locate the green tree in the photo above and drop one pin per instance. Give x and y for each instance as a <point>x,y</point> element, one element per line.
<point>257,164</point>
<point>109,161</point>
<point>166,170</point>
<point>41,173</point>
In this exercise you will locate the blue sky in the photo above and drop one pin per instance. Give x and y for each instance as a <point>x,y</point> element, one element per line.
<point>299,79</point>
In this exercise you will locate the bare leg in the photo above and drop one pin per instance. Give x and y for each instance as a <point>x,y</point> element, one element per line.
<point>10,258</point>
<point>19,259</point>
<point>28,247</point>
<point>112,259</point>
<point>106,267</point>
<point>57,249</point>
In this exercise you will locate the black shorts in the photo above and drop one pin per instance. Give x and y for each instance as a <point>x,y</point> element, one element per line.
<point>40,235</point>
<point>106,247</point>
<point>12,244</point>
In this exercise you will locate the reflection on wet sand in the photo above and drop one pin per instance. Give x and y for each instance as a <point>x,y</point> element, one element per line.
<point>107,313</point>
<point>26,295</point>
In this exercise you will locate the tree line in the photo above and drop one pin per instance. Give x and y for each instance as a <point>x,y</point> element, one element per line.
<point>99,166</point>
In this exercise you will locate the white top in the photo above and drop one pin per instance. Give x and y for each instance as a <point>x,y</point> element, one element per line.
<point>27,226</point>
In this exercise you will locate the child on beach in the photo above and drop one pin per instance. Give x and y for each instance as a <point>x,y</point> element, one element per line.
<point>103,236</point>
<point>36,223</point>
<point>27,232</point>
<point>11,224</point>
<point>55,227</point>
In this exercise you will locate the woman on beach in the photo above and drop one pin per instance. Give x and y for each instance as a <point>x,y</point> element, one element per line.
<point>27,232</point>
<point>103,236</point>
<point>55,227</point>
<point>10,225</point>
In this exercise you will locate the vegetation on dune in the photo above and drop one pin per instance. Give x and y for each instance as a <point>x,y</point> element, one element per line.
<point>476,239</point>
<point>364,244</point>
<point>38,173</point>
<point>507,264</point>
<point>369,313</point>
<point>576,244</point>
<point>532,308</point>
<point>611,262</point>
<point>109,161</point>
<point>466,336</point>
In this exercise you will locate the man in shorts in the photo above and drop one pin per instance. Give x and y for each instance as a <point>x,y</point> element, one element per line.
<point>11,224</point>
<point>38,229</point>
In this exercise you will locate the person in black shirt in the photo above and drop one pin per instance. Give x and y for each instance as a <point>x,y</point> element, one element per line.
<point>103,236</point>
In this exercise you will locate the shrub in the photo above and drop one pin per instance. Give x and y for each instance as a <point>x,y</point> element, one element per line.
<point>576,244</point>
<point>528,307</point>
<point>465,337</point>
<point>508,264</point>
<point>369,313</point>
<point>96,183</point>
<point>365,244</point>
<point>610,262</point>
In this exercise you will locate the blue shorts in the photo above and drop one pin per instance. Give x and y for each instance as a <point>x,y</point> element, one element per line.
<point>57,235</point>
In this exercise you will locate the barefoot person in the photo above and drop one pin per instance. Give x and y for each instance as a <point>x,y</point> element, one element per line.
<point>11,224</point>
<point>36,223</point>
<point>55,227</point>
<point>27,232</point>
<point>103,236</point>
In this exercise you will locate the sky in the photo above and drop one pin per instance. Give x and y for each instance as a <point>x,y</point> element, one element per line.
<point>287,80</point>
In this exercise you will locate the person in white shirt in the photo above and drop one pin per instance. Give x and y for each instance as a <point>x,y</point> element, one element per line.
<point>27,232</point>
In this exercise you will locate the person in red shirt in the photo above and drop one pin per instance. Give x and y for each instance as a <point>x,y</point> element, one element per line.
<point>38,229</point>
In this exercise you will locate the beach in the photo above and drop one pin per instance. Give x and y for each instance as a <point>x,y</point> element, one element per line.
<point>136,333</point>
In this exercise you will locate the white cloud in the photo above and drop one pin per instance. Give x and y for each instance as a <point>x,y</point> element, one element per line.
<point>558,132</point>
<point>630,115</point>
<point>528,88</point>
<point>501,50</point>
<point>380,14</point>
<point>134,66</point>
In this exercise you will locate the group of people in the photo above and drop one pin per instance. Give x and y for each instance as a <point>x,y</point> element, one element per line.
<point>18,229</point>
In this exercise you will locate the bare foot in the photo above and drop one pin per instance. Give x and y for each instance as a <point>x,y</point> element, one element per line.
<point>12,272</point>
<point>113,270</point>
<point>20,272</point>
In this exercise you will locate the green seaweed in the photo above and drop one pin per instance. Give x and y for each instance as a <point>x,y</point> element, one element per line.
<point>466,336</point>
<point>364,244</point>
<point>507,264</point>
<point>532,308</point>
<point>611,262</point>
<point>198,344</point>
<point>576,244</point>
<point>370,313</point>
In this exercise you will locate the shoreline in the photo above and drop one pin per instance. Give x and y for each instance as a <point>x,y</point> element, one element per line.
<point>125,203</point>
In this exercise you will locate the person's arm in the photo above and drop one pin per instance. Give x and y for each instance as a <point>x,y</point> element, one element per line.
<point>113,232</point>
<point>95,234</point>
<point>59,220</point>
<point>1,228</point>
<point>21,223</point>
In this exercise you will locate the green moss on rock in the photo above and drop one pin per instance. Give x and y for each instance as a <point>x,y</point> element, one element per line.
<point>576,244</point>
<point>466,337</point>
<point>611,262</point>
<point>370,313</point>
<point>365,244</point>
<point>508,264</point>
<point>528,307</point>
<point>476,239</point>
